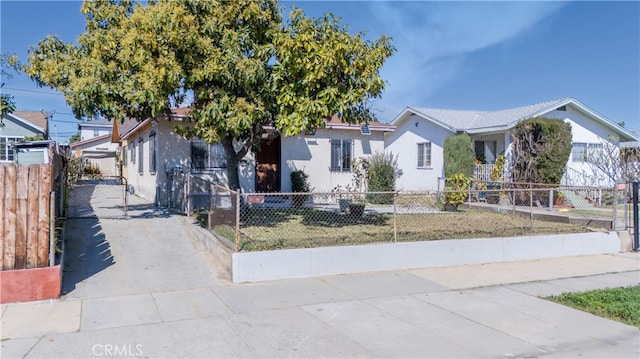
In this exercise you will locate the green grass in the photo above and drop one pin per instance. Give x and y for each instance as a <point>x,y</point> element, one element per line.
<point>264,229</point>
<point>620,304</point>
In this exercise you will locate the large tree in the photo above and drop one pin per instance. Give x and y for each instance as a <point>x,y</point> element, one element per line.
<point>238,62</point>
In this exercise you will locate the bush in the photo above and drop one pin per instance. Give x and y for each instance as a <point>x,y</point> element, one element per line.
<point>92,171</point>
<point>459,155</point>
<point>541,149</point>
<point>456,190</point>
<point>300,183</point>
<point>381,177</point>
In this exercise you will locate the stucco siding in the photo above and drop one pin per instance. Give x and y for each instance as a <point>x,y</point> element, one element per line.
<point>312,154</point>
<point>404,143</point>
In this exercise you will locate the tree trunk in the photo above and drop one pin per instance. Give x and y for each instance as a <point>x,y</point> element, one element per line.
<point>233,161</point>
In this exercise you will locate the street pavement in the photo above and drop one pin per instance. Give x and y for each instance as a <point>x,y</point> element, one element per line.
<point>144,288</point>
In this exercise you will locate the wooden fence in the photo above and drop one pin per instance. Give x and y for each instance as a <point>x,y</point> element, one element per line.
<point>25,198</point>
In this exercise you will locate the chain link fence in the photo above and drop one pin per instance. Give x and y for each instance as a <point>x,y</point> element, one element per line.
<point>98,198</point>
<point>264,221</point>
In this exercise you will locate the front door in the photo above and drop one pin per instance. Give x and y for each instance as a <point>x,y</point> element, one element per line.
<point>268,166</point>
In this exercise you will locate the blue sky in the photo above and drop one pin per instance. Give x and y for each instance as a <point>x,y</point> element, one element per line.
<point>459,55</point>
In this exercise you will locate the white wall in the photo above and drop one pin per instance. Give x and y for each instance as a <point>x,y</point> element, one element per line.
<point>312,154</point>
<point>313,262</point>
<point>87,131</point>
<point>583,129</point>
<point>403,142</point>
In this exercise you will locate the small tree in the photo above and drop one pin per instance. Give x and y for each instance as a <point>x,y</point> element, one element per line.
<point>459,156</point>
<point>381,177</point>
<point>614,164</point>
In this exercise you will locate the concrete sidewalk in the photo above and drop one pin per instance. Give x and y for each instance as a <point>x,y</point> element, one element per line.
<point>490,310</point>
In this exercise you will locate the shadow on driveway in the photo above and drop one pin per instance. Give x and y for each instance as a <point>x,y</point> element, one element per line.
<point>87,252</point>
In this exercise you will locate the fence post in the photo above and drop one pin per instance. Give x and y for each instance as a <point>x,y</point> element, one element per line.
<point>636,230</point>
<point>614,225</point>
<point>395,219</point>
<point>237,220</point>
<point>52,228</point>
<point>530,206</point>
<point>551,199</point>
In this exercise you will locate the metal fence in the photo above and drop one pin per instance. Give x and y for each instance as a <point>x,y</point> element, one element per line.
<point>98,198</point>
<point>262,221</point>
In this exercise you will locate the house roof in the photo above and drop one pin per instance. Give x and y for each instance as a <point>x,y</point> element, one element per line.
<point>486,121</point>
<point>103,138</point>
<point>336,122</point>
<point>95,123</point>
<point>34,119</point>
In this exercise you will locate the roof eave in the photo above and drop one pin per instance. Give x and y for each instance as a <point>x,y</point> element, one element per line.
<point>27,123</point>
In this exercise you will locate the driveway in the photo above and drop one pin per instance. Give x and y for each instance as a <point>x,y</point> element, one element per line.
<point>152,251</point>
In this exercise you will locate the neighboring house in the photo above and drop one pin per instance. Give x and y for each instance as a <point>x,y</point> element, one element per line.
<point>94,128</point>
<point>420,134</point>
<point>152,150</point>
<point>17,126</point>
<point>98,151</point>
<point>95,146</point>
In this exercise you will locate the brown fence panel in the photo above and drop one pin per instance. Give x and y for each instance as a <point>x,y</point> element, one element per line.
<point>9,259</point>
<point>32,216</point>
<point>24,204</point>
<point>42,216</point>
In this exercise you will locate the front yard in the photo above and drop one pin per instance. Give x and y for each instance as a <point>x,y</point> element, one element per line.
<point>280,228</point>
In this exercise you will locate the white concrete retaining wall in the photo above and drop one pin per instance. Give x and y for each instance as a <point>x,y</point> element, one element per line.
<point>311,262</point>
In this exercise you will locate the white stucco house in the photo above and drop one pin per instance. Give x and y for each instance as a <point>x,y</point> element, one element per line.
<point>95,146</point>
<point>151,150</point>
<point>420,133</point>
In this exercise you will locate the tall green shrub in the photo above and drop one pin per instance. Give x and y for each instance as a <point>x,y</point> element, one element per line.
<point>459,156</point>
<point>381,177</point>
<point>541,149</point>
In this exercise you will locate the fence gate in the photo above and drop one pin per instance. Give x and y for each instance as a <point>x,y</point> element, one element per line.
<point>98,198</point>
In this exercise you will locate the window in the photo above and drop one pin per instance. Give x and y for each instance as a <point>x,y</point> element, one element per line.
<point>341,155</point>
<point>206,156</point>
<point>7,152</point>
<point>96,133</point>
<point>424,155</point>
<point>152,152</point>
<point>132,148</point>
<point>124,155</point>
<point>140,155</point>
<point>580,150</point>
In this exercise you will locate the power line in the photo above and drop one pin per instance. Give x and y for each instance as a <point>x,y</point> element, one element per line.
<point>34,91</point>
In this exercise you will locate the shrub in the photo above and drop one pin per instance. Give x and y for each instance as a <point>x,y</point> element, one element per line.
<point>456,190</point>
<point>541,149</point>
<point>381,177</point>
<point>459,155</point>
<point>300,183</point>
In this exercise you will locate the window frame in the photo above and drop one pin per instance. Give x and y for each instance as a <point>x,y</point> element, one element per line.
<point>124,155</point>
<point>424,158</point>
<point>152,153</point>
<point>341,155</point>
<point>132,154</point>
<point>587,148</point>
<point>7,149</point>
<point>212,156</point>
<point>140,155</point>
